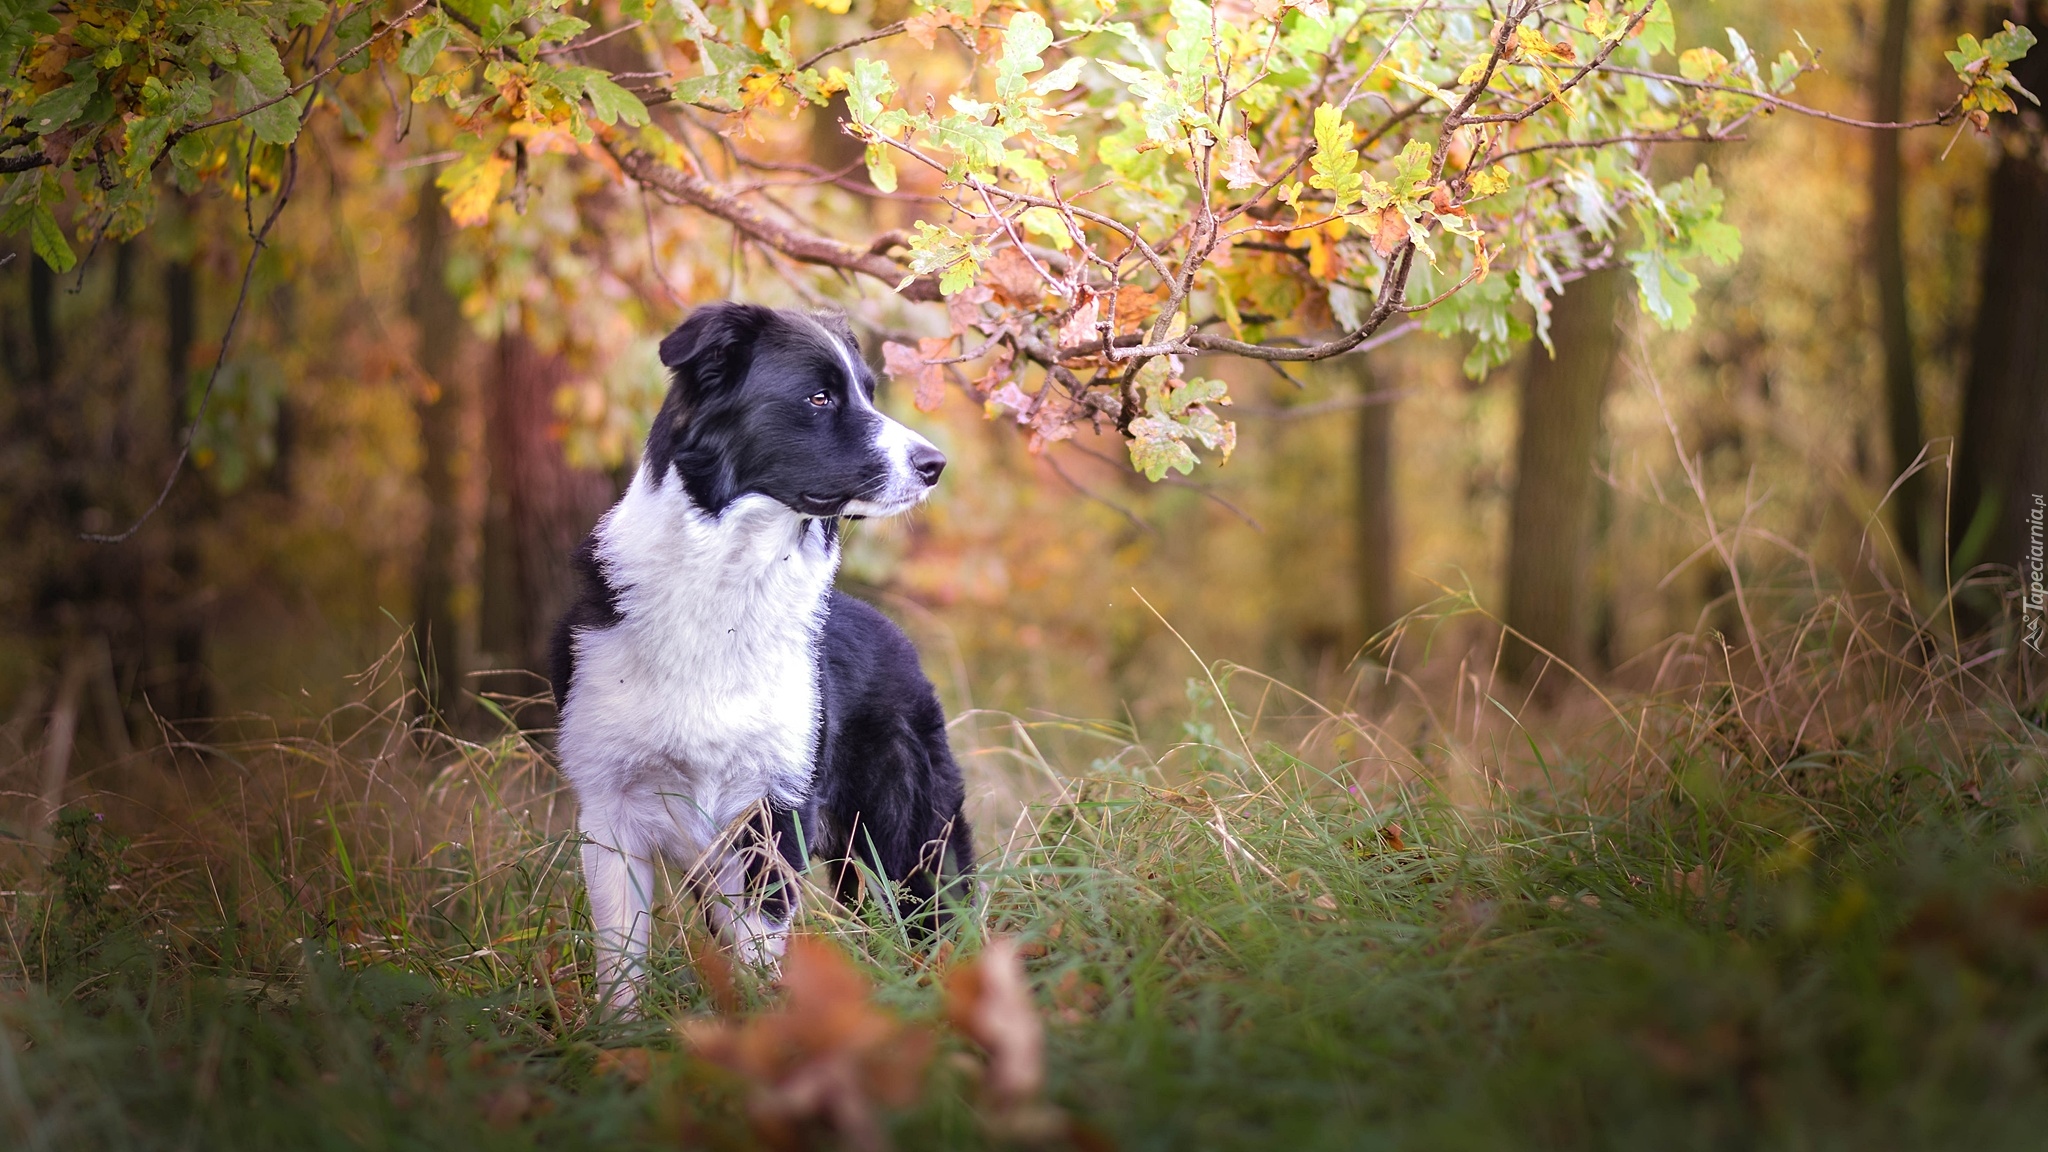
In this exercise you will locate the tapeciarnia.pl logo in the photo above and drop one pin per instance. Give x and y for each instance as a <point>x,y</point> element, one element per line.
<point>2034,589</point>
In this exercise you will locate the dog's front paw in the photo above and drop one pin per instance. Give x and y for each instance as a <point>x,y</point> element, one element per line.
<point>759,943</point>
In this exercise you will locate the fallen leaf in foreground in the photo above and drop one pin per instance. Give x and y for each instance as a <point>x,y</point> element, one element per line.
<point>825,1059</point>
<point>989,1001</point>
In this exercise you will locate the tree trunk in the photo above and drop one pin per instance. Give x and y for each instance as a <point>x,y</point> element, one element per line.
<point>189,695</point>
<point>2002,459</point>
<point>1909,505</point>
<point>1374,515</point>
<point>539,509</point>
<point>1550,517</point>
<point>447,596</point>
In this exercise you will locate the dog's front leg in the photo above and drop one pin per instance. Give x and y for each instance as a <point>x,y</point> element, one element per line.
<point>756,883</point>
<point>620,880</point>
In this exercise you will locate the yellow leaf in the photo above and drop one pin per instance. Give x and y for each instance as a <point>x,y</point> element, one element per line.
<point>835,7</point>
<point>472,186</point>
<point>1490,182</point>
<point>761,87</point>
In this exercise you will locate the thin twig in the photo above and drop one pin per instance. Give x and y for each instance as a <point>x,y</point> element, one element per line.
<point>220,359</point>
<point>1944,117</point>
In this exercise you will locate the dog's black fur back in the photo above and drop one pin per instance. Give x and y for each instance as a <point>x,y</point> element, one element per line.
<point>888,792</point>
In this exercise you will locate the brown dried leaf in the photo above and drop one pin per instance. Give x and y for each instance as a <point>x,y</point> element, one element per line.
<point>1135,307</point>
<point>999,363</point>
<point>989,1000</point>
<point>1392,230</point>
<point>924,26</point>
<point>1240,164</point>
<point>827,1057</point>
<point>1016,282</point>
<point>1051,424</point>
<point>963,310</point>
<point>633,1065</point>
<point>914,366</point>
<point>931,381</point>
<point>1080,327</point>
<point>1076,998</point>
<point>1011,397</point>
<point>507,1106</point>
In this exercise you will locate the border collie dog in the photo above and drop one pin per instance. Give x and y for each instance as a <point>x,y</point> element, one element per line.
<point>723,707</point>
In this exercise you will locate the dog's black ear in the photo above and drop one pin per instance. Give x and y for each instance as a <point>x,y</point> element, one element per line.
<point>711,347</point>
<point>707,354</point>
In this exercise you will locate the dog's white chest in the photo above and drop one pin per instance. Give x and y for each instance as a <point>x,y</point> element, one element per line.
<point>703,698</point>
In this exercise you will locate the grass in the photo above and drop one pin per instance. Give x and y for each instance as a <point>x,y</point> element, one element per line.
<point>1800,903</point>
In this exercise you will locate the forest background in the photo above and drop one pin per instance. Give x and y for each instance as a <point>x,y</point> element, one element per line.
<point>416,421</point>
<point>360,384</point>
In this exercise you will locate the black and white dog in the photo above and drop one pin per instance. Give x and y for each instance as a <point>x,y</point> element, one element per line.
<point>709,666</point>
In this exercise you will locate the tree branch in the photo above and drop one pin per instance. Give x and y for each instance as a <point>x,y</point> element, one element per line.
<point>804,247</point>
<point>1946,116</point>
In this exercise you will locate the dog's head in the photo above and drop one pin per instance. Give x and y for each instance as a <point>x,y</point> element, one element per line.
<point>780,403</point>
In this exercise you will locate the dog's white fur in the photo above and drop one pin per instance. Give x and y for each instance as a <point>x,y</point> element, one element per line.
<point>702,701</point>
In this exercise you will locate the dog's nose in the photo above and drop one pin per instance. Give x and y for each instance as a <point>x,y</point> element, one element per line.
<point>927,462</point>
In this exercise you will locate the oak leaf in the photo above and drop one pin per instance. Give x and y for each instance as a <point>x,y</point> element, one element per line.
<point>989,1001</point>
<point>1393,229</point>
<point>1240,163</point>
<point>915,365</point>
<point>824,1060</point>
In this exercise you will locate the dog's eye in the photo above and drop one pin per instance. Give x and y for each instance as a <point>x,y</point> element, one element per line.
<point>821,399</point>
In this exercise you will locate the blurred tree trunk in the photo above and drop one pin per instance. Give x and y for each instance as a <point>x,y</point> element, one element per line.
<point>188,697</point>
<point>446,592</point>
<point>539,509</point>
<point>1550,516</point>
<point>2002,458</point>
<point>1909,505</point>
<point>1374,460</point>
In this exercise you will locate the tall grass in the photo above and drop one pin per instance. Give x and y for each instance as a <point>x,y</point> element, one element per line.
<point>1783,887</point>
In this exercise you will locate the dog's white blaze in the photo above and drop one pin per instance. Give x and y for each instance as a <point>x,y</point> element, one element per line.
<point>845,356</point>
<point>893,441</point>
<point>699,703</point>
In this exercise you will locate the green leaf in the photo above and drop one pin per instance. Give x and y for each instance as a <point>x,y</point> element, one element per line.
<point>1156,447</point>
<point>274,124</point>
<point>56,109</point>
<point>1784,70</point>
<point>49,242</point>
<point>1026,37</point>
<point>867,89</point>
<point>1191,42</point>
<point>304,13</point>
<point>775,45</point>
<point>2008,46</point>
<point>613,103</point>
<point>1411,168</point>
<point>418,56</point>
<point>146,138</point>
<point>562,29</point>
<point>1659,33</point>
<point>1666,289</point>
<point>881,167</point>
<point>351,33</point>
<point>1062,78</point>
<point>955,258</point>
